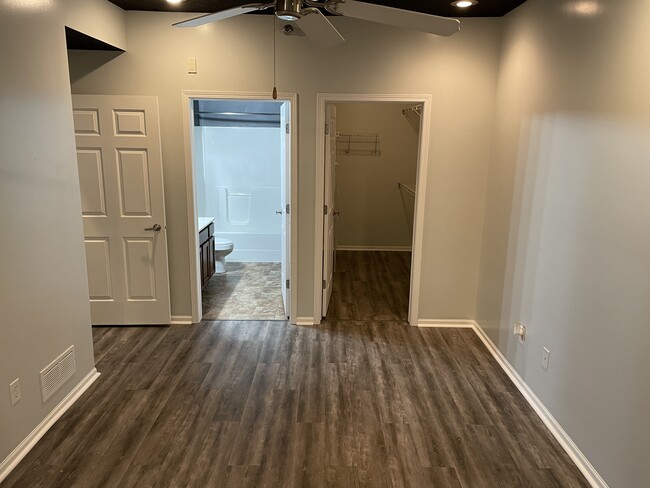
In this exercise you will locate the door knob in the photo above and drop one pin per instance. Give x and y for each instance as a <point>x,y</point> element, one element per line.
<point>336,213</point>
<point>156,227</point>
<point>278,212</point>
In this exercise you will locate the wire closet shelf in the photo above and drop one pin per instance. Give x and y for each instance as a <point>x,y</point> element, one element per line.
<point>359,144</point>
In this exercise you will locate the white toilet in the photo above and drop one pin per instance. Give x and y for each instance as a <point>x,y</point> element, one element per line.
<point>222,247</point>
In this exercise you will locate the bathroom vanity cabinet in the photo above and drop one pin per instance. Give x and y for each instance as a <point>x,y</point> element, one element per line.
<point>206,252</point>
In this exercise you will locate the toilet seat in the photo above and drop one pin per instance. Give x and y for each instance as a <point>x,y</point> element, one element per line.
<point>222,244</point>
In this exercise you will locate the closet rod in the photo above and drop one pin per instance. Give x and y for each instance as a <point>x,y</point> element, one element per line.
<point>415,108</point>
<point>403,186</point>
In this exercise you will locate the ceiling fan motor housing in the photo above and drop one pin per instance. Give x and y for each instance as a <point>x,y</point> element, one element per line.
<point>289,10</point>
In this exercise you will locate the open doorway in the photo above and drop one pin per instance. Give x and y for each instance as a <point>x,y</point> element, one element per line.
<point>241,157</point>
<point>373,166</point>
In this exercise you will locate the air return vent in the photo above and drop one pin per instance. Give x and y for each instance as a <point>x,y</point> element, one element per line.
<point>55,374</point>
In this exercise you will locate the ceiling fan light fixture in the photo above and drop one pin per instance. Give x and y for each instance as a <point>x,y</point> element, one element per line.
<point>288,10</point>
<point>288,16</point>
<point>464,3</point>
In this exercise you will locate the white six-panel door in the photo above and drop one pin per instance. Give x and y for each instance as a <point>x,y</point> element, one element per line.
<point>122,202</point>
<point>329,220</point>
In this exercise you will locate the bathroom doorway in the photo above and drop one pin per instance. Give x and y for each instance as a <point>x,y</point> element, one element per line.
<point>242,153</point>
<point>373,173</point>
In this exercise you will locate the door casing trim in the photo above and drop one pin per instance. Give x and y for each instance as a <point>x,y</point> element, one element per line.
<point>420,193</point>
<point>194,272</point>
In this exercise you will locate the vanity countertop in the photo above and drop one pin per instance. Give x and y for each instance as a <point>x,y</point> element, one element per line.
<point>204,222</point>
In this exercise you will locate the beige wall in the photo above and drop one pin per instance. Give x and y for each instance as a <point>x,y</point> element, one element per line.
<point>566,246</point>
<point>235,55</point>
<point>43,285</point>
<point>373,211</point>
<point>99,19</point>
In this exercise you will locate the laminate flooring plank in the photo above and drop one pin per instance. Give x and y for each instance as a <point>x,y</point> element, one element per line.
<point>403,463</point>
<point>311,403</point>
<point>308,462</point>
<point>233,400</point>
<point>372,466</point>
<point>277,459</point>
<point>341,442</point>
<point>256,419</point>
<point>211,465</point>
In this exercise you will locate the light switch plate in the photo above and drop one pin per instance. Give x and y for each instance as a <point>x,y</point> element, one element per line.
<point>191,66</point>
<point>546,354</point>
<point>14,391</point>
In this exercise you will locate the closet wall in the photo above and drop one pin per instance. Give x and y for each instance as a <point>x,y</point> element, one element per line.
<point>374,212</point>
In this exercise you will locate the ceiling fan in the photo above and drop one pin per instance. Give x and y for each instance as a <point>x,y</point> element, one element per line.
<point>307,15</point>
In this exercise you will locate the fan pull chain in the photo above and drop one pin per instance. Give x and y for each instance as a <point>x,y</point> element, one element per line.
<point>275,90</point>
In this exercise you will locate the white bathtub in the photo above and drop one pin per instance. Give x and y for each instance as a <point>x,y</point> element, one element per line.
<point>247,217</point>
<point>253,248</point>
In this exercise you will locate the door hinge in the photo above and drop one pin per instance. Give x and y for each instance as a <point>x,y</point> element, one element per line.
<point>327,129</point>
<point>287,209</point>
<point>324,209</point>
<point>287,284</point>
<point>324,285</point>
<point>286,128</point>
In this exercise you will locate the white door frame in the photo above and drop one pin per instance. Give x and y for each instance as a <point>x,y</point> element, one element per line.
<point>420,192</point>
<point>195,275</point>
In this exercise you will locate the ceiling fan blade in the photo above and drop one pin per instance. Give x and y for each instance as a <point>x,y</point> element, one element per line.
<point>433,24</point>
<point>223,14</point>
<point>319,30</point>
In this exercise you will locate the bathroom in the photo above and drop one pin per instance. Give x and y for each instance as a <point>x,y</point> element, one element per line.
<point>239,155</point>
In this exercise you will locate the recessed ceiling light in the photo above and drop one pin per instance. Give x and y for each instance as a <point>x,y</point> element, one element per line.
<point>464,3</point>
<point>175,2</point>
<point>584,7</point>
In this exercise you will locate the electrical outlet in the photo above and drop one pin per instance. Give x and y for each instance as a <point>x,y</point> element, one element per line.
<point>14,391</point>
<point>545,357</point>
<point>520,331</point>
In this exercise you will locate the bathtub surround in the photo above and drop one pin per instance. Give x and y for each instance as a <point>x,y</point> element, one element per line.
<point>237,172</point>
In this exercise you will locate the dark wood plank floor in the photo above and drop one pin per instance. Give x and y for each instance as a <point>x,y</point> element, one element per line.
<point>370,285</point>
<point>266,404</point>
<point>363,400</point>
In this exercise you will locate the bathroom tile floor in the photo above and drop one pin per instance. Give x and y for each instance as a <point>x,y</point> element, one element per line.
<point>248,291</point>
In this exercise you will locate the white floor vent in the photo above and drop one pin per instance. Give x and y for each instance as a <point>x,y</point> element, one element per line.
<point>55,374</point>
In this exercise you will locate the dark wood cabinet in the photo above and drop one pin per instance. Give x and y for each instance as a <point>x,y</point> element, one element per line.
<point>206,253</point>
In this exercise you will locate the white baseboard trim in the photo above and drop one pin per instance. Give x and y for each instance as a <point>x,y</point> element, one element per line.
<point>373,248</point>
<point>181,320</point>
<point>30,441</point>
<point>576,455</point>
<point>446,324</point>
<point>305,321</point>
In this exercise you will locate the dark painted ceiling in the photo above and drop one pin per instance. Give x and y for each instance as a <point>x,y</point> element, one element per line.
<point>485,8</point>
